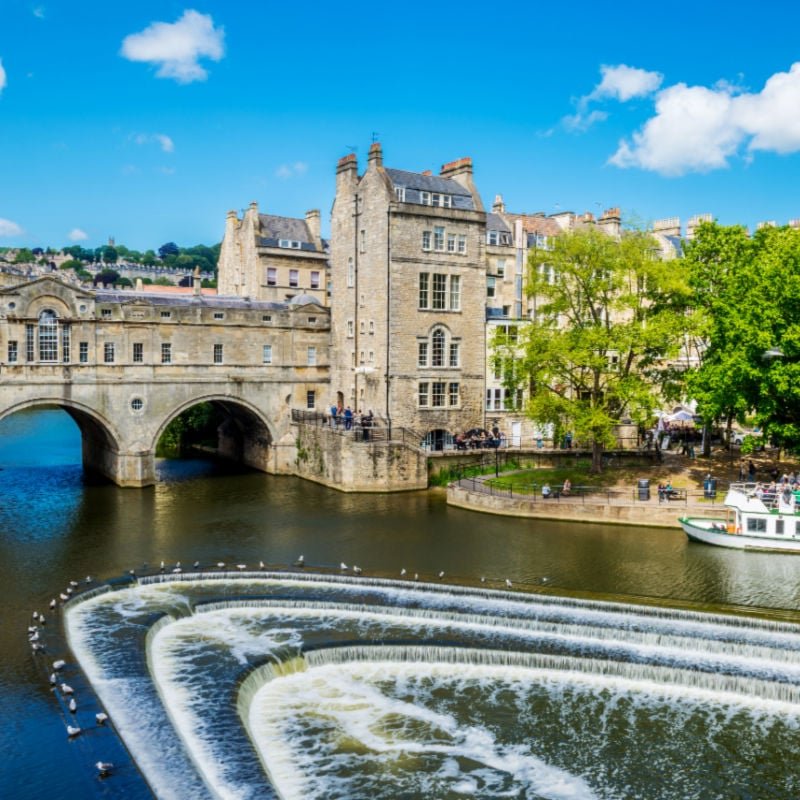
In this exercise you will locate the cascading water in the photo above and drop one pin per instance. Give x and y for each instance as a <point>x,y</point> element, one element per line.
<point>262,685</point>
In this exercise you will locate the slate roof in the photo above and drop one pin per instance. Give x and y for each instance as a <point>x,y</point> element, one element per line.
<point>494,222</point>
<point>677,243</point>
<point>274,228</point>
<point>210,301</point>
<point>415,182</point>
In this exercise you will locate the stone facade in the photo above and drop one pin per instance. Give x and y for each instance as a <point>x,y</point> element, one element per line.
<point>124,364</point>
<point>408,285</point>
<point>271,258</point>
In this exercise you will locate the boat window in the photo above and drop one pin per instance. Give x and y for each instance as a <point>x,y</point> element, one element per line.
<point>756,525</point>
<point>778,526</point>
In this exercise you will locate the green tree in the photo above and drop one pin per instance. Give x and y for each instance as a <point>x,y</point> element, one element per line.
<point>72,263</point>
<point>110,254</point>
<point>168,249</point>
<point>604,328</point>
<point>23,256</point>
<point>108,277</point>
<point>162,280</point>
<point>719,264</point>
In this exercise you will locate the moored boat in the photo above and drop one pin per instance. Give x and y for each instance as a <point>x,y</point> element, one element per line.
<point>756,519</point>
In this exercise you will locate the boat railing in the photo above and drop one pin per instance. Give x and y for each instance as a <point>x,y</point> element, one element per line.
<point>769,495</point>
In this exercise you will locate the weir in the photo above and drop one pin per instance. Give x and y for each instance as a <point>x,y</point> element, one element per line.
<point>257,695</point>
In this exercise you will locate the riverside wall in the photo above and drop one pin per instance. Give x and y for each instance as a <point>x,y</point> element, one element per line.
<point>649,513</point>
<point>339,461</point>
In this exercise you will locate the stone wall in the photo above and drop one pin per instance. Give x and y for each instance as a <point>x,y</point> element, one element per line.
<point>647,513</point>
<point>339,461</point>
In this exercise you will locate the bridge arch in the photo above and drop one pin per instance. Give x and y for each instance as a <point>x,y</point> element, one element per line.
<point>244,436</point>
<point>100,439</point>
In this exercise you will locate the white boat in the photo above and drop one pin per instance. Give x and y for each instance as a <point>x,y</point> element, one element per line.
<point>756,519</point>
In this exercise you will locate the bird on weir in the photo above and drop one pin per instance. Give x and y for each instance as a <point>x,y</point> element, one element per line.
<point>73,730</point>
<point>441,574</point>
<point>357,570</point>
<point>73,705</point>
<point>343,566</point>
<point>65,688</point>
<point>104,768</point>
<point>402,572</point>
<point>508,583</point>
<point>101,718</point>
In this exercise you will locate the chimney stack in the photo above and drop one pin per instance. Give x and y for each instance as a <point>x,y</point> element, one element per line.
<point>314,226</point>
<point>669,226</point>
<point>611,221</point>
<point>375,158</point>
<point>498,207</point>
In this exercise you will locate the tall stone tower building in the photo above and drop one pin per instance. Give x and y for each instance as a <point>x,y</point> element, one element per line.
<point>408,273</point>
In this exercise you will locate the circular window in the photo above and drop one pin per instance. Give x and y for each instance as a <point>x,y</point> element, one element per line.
<point>82,309</point>
<point>12,305</point>
<point>137,404</point>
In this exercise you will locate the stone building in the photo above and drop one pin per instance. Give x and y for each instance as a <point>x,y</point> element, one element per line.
<point>272,258</point>
<point>408,286</point>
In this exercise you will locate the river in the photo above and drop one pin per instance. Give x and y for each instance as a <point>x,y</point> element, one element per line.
<point>55,526</point>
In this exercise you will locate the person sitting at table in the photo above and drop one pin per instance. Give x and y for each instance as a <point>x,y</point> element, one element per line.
<point>546,491</point>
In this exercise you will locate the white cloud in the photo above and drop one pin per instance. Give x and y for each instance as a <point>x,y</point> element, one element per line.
<point>176,47</point>
<point>286,171</point>
<point>164,141</point>
<point>77,235</point>
<point>621,83</point>
<point>582,121</point>
<point>9,228</point>
<point>2,76</point>
<point>38,12</point>
<point>698,129</point>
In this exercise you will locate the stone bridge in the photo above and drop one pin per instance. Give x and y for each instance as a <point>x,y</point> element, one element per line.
<point>123,365</point>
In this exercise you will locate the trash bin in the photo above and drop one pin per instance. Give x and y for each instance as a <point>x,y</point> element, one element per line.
<point>644,489</point>
<point>710,488</point>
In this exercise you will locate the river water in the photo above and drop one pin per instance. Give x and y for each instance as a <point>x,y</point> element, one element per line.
<point>440,713</point>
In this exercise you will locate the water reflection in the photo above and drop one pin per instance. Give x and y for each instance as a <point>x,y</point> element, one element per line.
<point>54,527</point>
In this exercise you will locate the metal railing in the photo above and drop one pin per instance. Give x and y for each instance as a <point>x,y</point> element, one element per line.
<point>581,495</point>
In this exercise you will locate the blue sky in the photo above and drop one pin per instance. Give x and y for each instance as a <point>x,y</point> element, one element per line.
<point>147,121</point>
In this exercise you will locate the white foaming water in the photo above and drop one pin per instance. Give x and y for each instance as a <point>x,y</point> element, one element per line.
<point>402,719</point>
<point>368,718</point>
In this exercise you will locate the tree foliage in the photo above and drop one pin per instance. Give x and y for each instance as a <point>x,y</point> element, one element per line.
<point>605,323</point>
<point>746,297</point>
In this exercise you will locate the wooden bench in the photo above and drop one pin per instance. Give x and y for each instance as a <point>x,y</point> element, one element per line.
<point>675,494</point>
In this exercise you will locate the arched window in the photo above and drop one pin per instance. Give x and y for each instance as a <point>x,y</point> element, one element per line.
<point>437,348</point>
<point>48,336</point>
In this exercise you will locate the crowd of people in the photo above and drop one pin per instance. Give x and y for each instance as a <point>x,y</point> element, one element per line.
<point>478,438</point>
<point>347,419</point>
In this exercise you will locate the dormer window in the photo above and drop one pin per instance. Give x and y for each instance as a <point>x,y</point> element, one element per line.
<point>290,244</point>
<point>492,237</point>
<point>400,193</point>
<point>436,199</point>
